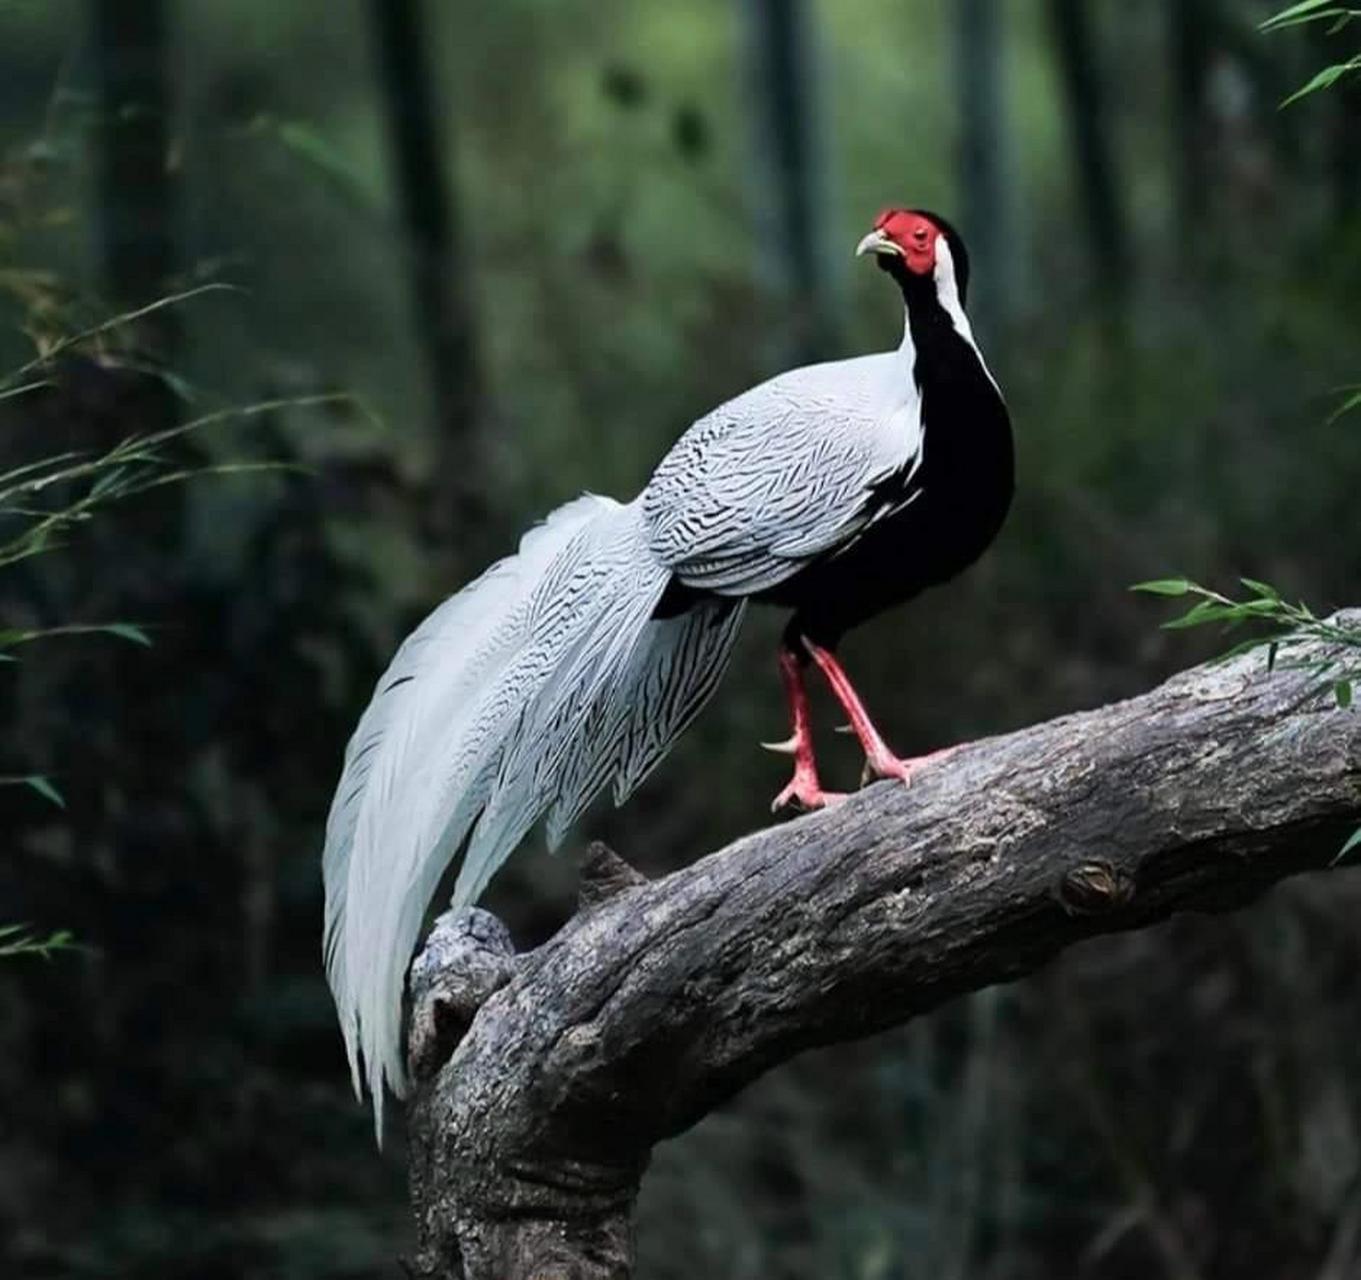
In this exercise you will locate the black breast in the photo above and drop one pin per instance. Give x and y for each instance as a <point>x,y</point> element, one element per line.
<point>963,489</point>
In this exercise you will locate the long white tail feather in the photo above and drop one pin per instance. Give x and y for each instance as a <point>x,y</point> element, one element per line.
<point>673,669</point>
<point>551,732</point>
<point>528,690</point>
<point>413,724</point>
<point>690,656</point>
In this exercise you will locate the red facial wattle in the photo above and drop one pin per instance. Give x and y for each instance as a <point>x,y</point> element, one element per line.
<point>914,235</point>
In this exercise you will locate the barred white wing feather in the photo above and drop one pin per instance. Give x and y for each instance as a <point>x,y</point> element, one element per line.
<point>784,472</point>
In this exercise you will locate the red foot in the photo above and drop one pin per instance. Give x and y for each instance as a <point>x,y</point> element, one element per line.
<point>804,788</point>
<point>805,792</point>
<point>891,766</point>
<point>880,762</point>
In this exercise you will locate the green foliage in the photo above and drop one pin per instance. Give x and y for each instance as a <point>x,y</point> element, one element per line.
<point>1348,405</point>
<point>134,466</point>
<point>42,502</point>
<point>1282,628</point>
<point>1279,625</point>
<point>1310,11</point>
<point>1352,845</point>
<point>41,784</point>
<point>19,940</point>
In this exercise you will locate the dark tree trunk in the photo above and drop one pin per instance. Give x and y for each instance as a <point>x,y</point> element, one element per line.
<point>789,163</point>
<point>138,210</point>
<point>441,284</point>
<point>1093,160</point>
<point>983,154</point>
<point>1189,36</point>
<point>1345,143</point>
<point>1335,113</point>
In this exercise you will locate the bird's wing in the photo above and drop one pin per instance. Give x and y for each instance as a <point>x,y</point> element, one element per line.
<point>790,470</point>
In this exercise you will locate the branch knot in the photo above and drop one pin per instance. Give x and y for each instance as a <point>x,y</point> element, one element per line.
<point>604,874</point>
<point>468,957</point>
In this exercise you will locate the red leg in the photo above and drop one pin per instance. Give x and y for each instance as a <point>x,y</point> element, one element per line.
<point>804,788</point>
<point>880,762</point>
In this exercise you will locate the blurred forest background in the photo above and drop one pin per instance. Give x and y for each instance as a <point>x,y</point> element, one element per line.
<point>525,244</point>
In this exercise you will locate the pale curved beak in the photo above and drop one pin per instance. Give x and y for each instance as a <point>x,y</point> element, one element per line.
<point>877,242</point>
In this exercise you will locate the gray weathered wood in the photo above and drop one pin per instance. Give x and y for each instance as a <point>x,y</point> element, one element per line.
<point>660,999</point>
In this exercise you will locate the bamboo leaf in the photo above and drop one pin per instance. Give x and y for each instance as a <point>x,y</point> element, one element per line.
<point>1324,79</point>
<point>107,326</point>
<point>1165,587</point>
<point>1353,401</point>
<point>1353,842</point>
<point>1199,614</point>
<point>18,940</point>
<point>1305,11</point>
<point>37,782</point>
<point>11,638</point>
<point>127,631</point>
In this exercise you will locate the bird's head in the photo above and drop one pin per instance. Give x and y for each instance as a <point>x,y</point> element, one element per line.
<point>918,248</point>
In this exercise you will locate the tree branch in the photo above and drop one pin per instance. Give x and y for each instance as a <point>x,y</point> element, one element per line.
<point>661,999</point>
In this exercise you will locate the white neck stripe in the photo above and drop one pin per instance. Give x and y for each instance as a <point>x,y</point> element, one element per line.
<point>947,290</point>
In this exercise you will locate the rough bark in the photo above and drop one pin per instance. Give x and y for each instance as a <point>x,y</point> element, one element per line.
<point>660,999</point>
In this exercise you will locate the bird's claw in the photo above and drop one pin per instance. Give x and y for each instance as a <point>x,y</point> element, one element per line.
<point>786,748</point>
<point>806,794</point>
<point>905,770</point>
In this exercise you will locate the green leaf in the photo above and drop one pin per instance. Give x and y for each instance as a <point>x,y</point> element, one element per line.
<point>18,940</point>
<point>1353,401</point>
<point>1205,611</point>
<point>1342,691</point>
<point>310,146</point>
<point>1165,587</point>
<point>127,631</point>
<point>44,788</point>
<point>36,782</point>
<point>1324,79</point>
<point>9,639</point>
<point>1305,11</point>
<point>108,481</point>
<point>1353,842</point>
<point>1263,590</point>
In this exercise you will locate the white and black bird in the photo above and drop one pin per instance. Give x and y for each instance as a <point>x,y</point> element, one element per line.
<point>835,490</point>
